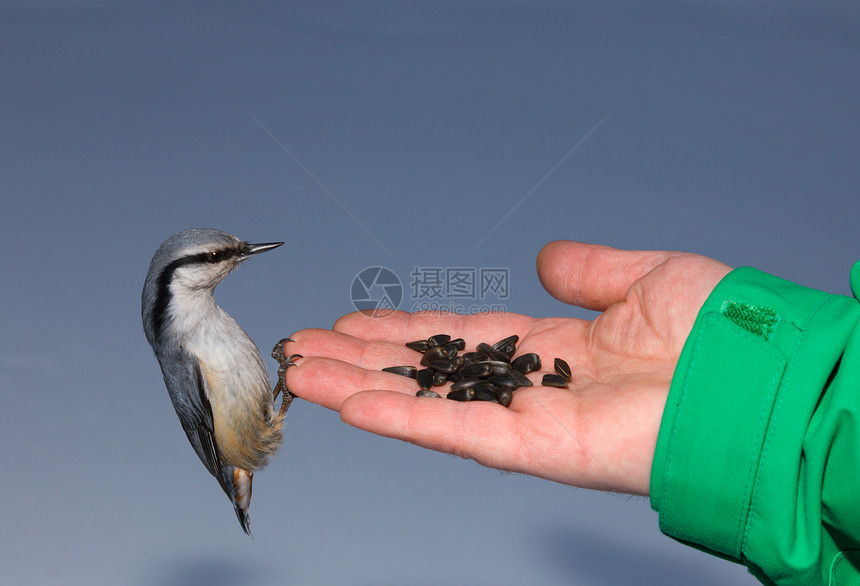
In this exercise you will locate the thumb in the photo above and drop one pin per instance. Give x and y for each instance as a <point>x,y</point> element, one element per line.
<point>593,276</point>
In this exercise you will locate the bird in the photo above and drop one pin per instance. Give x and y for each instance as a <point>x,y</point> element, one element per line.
<point>214,373</point>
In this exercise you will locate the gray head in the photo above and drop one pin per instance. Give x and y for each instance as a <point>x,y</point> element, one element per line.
<point>192,260</point>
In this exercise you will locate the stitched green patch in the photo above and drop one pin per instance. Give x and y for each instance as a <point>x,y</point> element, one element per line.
<point>756,319</point>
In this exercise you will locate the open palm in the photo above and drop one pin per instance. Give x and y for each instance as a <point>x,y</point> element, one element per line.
<point>599,433</point>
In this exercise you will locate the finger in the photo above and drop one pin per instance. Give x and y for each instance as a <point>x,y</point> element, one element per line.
<point>328,382</point>
<point>371,354</point>
<point>529,438</point>
<point>484,432</point>
<point>593,276</point>
<point>402,327</point>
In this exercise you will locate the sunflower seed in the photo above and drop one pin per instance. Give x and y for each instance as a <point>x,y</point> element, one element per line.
<point>504,381</point>
<point>418,345</point>
<point>439,378</point>
<point>462,395</point>
<point>446,366</point>
<point>499,356</point>
<point>505,341</point>
<point>466,383</point>
<point>521,379</point>
<point>437,353</point>
<point>504,397</point>
<point>424,378</point>
<point>526,363</point>
<point>478,369</point>
<point>499,367</point>
<point>508,346</point>
<point>438,340</point>
<point>554,380</point>
<point>562,369</point>
<point>426,393</point>
<point>482,393</point>
<point>409,371</point>
<point>450,348</point>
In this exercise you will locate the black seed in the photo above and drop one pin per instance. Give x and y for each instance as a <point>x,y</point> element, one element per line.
<point>424,378</point>
<point>426,393</point>
<point>509,350</point>
<point>554,380</point>
<point>484,394</point>
<point>498,356</point>
<point>504,381</point>
<point>475,356</point>
<point>446,366</point>
<point>521,379</point>
<point>462,395</point>
<point>508,346</point>
<point>466,383</point>
<point>439,378</point>
<point>504,342</point>
<point>459,343</point>
<point>504,397</point>
<point>437,353</point>
<point>499,367</point>
<point>483,347</point>
<point>418,345</point>
<point>562,368</point>
<point>438,340</point>
<point>490,387</point>
<point>526,363</point>
<point>449,347</point>
<point>409,371</point>
<point>478,369</point>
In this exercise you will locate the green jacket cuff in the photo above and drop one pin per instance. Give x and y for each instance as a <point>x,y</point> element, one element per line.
<point>756,459</point>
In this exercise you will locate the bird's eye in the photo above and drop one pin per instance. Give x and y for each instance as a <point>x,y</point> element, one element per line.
<point>215,256</point>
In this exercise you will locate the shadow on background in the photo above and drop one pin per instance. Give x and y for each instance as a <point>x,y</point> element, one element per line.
<point>595,559</point>
<point>211,571</point>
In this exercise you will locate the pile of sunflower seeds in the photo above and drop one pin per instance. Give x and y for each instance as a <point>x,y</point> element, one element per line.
<point>489,373</point>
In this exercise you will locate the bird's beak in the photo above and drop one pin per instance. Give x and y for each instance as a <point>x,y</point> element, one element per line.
<point>262,247</point>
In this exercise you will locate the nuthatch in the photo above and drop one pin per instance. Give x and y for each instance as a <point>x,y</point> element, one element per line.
<point>214,373</point>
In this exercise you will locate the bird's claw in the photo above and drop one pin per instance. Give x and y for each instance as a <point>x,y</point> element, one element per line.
<point>278,352</point>
<point>284,362</point>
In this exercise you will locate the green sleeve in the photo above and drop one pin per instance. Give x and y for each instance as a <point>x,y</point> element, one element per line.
<point>758,456</point>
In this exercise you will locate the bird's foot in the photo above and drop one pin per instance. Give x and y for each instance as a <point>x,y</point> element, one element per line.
<point>284,362</point>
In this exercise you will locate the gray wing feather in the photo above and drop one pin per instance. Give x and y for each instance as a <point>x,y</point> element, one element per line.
<point>186,386</point>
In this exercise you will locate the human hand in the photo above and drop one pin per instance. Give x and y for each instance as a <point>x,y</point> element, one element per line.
<point>599,433</point>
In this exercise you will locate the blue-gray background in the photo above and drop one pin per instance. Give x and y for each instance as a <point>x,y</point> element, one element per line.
<point>373,133</point>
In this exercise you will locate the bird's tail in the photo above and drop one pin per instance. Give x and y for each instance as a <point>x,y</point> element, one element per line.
<point>242,483</point>
<point>244,519</point>
<point>237,483</point>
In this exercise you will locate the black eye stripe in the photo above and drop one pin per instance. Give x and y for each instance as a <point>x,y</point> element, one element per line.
<point>212,256</point>
<point>162,297</point>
